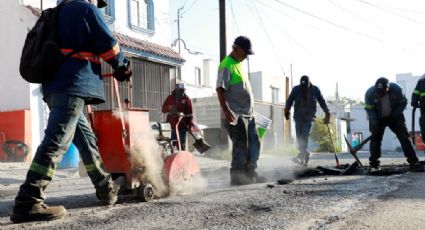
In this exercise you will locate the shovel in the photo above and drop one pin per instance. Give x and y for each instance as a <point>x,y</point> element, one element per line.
<point>333,146</point>
<point>199,144</point>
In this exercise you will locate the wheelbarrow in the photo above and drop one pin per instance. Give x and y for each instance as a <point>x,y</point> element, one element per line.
<point>118,135</point>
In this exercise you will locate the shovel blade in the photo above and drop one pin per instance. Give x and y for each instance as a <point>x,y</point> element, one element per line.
<point>201,146</point>
<point>179,167</point>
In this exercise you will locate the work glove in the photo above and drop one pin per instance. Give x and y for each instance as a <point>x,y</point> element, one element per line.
<point>327,118</point>
<point>287,114</point>
<point>124,72</point>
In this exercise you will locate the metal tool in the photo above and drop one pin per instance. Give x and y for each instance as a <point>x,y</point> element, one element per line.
<point>333,146</point>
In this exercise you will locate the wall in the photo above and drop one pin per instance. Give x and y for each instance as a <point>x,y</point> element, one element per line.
<point>361,124</point>
<point>261,84</point>
<point>16,125</point>
<point>162,28</point>
<point>15,22</point>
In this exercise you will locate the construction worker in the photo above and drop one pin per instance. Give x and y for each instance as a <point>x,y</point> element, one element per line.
<point>384,104</point>
<point>237,102</point>
<point>179,104</point>
<point>78,82</point>
<point>305,97</point>
<point>418,101</point>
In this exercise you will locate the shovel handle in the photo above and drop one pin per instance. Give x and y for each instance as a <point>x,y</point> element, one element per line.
<point>333,146</point>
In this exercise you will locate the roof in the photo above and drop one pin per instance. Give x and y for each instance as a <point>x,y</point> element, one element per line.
<point>148,47</point>
<point>139,47</point>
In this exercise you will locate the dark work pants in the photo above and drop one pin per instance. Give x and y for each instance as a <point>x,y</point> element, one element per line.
<point>302,130</point>
<point>246,145</point>
<point>182,137</point>
<point>66,124</point>
<point>398,126</point>
<point>422,123</point>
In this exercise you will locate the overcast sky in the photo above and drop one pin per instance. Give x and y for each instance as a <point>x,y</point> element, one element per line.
<point>352,42</point>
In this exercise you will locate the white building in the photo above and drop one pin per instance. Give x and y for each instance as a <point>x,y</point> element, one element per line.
<point>141,28</point>
<point>268,87</point>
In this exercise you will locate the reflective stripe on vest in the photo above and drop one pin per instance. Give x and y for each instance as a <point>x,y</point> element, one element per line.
<point>111,53</point>
<point>235,69</point>
<point>82,55</point>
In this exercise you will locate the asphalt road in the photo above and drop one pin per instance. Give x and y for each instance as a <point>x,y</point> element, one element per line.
<point>319,202</point>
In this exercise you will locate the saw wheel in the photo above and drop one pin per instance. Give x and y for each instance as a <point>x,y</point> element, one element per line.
<point>146,192</point>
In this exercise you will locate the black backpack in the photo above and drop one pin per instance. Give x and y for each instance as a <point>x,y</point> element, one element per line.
<point>41,56</point>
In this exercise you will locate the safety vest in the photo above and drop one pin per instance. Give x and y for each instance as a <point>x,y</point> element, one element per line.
<point>91,56</point>
<point>235,69</point>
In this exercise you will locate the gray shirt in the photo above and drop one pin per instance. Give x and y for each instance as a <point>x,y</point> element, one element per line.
<point>385,106</point>
<point>239,96</point>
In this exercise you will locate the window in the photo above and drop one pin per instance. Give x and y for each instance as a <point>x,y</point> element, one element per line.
<point>275,94</point>
<point>141,15</point>
<point>109,11</point>
<point>198,76</point>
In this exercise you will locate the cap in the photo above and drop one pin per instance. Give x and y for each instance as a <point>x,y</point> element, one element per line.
<point>382,84</point>
<point>101,3</point>
<point>304,80</point>
<point>180,85</point>
<point>245,44</point>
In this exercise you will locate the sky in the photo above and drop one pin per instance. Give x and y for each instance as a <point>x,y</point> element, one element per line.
<point>346,42</point>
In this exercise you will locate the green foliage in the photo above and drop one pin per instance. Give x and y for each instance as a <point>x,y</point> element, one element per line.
<point>320,135</point>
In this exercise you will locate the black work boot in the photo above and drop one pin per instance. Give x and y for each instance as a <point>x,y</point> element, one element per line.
<point>416,167</point>
<point>240,178</point>
<point>36,212</point>
<point>107,192</point>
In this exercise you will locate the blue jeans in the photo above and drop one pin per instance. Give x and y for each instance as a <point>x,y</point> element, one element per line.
<point>302,130</point>
<point>182,135</point>
<point>66,124</point>
<point>246,145</point>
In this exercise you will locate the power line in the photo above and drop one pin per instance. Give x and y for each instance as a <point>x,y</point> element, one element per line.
<point>400,9</point>
<point>390,12</point>
<point>280,12</point>
<point>329,22</point>
<point>374,24</point>
<point>234,17</point>
<point>291,37</point>
<point>268,37</point>
<point>190,7</point>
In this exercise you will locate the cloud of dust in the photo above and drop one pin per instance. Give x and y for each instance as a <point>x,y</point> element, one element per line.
<point>146,154</point>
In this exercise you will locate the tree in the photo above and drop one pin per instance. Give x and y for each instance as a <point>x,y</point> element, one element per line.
<point>320,135</point>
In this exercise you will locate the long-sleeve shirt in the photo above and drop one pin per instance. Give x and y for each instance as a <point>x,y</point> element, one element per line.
<point>182,105</point>
<point>83,33</point>
<point>305,107</point>
<point>418,94</point>
<point>373,105</point>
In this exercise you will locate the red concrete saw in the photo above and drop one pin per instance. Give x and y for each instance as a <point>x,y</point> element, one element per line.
<point>120,132</point>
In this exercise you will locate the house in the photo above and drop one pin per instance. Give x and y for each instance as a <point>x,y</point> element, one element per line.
<point>141,28</point>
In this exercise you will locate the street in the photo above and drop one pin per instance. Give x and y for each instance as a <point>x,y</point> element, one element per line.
<point>320,202</point>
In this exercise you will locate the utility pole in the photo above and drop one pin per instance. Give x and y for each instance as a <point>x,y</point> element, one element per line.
<point>41,4</point>
<point>222,16</point>
<point>178,26</point>
<point>338,120</point>
<point>292,84</point>
<point>286,123</point>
